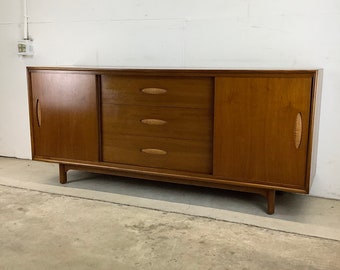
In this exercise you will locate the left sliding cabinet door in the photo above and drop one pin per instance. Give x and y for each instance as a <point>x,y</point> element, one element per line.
<point>64,115</point>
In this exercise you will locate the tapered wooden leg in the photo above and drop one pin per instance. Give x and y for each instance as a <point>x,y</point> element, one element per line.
<point>270,202</point>
<point>62,174</point>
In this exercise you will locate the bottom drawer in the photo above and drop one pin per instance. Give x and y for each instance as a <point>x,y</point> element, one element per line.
<point>165,153</point>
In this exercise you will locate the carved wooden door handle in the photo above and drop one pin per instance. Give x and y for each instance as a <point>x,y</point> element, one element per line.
<point>38,112</point>
<point>153,122</point>
<point>153,151</point>
<point>298,130</point>
<point>154,91</point>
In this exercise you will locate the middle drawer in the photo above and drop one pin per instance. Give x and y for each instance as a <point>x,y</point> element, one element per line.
<point>177,123</point>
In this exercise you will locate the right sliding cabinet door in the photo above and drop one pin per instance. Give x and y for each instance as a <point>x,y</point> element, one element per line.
<point>261,129</point>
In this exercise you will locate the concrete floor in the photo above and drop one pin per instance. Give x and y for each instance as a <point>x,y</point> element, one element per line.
<point>106,222</point>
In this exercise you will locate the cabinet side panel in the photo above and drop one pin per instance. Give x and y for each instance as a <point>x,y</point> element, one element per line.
<point>31,108</point>
<point>64,116</point>
<point>314,128</point>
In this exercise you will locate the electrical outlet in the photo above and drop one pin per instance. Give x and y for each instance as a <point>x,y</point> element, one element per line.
<point>25,47</point>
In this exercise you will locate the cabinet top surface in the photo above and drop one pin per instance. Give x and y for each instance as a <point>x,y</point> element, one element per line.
<point>171,72</point>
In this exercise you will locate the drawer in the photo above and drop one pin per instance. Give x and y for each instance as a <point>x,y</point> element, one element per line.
<point>172,154</point>
<point>178,123</point>
<point>191,92</point>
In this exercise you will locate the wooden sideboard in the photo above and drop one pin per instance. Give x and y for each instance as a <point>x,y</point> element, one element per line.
<point>253,131</point>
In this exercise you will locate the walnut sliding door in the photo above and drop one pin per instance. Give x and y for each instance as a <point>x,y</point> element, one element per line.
<point>261,129</point>
<point>64,115</point>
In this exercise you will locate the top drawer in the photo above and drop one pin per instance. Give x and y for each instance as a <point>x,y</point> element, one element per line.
<point>191,92</point>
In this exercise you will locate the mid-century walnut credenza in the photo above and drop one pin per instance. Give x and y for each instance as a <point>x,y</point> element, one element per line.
<point>253,131</point>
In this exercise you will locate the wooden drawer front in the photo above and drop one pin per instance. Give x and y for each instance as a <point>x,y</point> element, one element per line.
<point>178,123</point>
<point>172,154</point>
<point>158,91</point>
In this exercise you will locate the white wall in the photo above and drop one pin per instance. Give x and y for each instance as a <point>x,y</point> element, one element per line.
<point>285,34</point>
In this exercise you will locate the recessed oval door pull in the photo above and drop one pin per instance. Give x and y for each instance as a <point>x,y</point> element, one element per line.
<point>153,151</point>
<point>153,122</point>
<point>298,130</point>
<point>38,112</point>
<point>154,91</point>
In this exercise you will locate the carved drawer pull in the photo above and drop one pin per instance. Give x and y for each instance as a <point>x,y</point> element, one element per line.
<point>153,151</point>
<point>38,112</point>
<point>154,91</point>
<point>153,122</point>
<point>298,130</point>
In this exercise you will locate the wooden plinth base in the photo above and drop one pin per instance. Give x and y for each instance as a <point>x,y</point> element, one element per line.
<point>269,194</point>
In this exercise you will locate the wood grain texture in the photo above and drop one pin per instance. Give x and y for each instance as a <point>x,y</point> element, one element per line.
<point>181,92</point>
<point>98,119</point>
<point>68,111</point>
<point>254,129</point>
<point>181,123</point>
<point>182,155</point>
